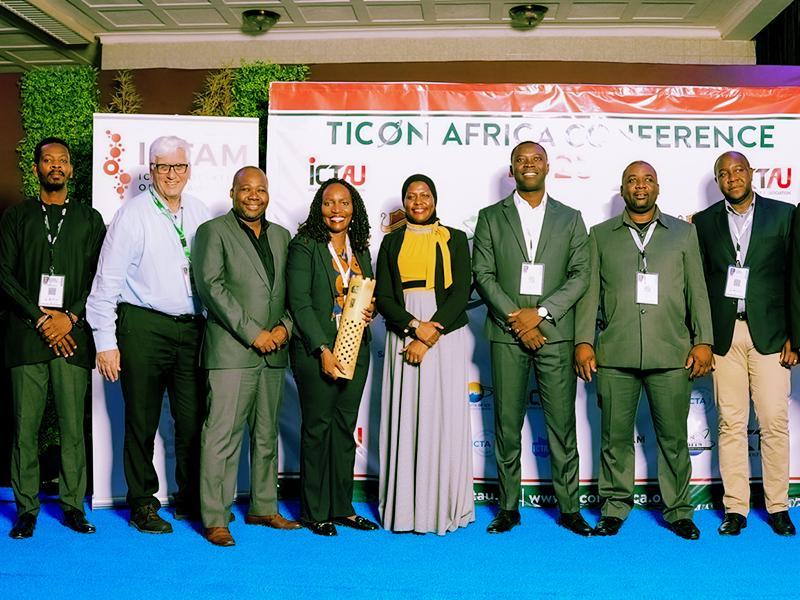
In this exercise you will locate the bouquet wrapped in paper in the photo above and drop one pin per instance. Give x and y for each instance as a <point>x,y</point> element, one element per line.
<point>351,325</point>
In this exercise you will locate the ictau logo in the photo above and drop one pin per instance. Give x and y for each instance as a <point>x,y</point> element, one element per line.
<point>319,174</point>
<point>772,178</point>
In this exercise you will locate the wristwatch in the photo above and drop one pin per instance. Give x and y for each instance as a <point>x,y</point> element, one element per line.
<point>544,313</point>
<point>411,330</point>
<point>322,348</point>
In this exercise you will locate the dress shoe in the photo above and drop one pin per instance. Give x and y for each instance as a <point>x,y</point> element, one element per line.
<point>356,522</point>
<point>324,528</point>
<point>732,524</point>
<point>504,521</point>
<point>76,520</point>
<point>219,536</point>
<point>23,527</point>
<point>608,526</point>
<point>781,523</point>
<point>575,523</point>
<point>685,528</point>
<point>146,520</point>
<point>275,521</point>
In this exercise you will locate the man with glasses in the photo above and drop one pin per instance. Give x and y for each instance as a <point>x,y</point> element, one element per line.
<point>147,324</point>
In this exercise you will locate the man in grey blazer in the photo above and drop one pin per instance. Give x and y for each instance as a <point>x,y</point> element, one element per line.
<point>239,260</point>
<point>531,265</point>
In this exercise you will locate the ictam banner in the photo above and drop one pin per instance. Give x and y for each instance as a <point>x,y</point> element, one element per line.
<point>219,147</point>
<point>376,134</point>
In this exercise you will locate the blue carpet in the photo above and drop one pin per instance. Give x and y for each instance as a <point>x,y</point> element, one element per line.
<point>535,560</point>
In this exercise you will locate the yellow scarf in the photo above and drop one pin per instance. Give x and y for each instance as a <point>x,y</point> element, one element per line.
<point>417,258</point>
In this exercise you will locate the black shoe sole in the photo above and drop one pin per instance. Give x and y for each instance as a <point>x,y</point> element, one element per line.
<point>140,530</point>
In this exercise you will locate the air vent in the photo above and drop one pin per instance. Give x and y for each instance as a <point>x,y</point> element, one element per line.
<point>44,22</point>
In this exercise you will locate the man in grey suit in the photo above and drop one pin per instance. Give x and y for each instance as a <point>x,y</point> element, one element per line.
<point>531,265</point>
<point>239,261</point>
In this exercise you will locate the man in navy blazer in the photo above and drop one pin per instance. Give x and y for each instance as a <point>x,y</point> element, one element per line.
<point>745,241</point>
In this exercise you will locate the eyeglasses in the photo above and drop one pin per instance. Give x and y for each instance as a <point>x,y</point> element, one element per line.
<point>179,169</point>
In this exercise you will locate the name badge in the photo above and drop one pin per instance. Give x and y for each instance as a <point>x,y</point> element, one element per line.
<point>187,279</point>
<point>646,288</point>
<point>531,280</point>
<point>736,285</point>
<point>51,291</point>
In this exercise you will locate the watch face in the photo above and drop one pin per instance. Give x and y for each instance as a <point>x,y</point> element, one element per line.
<point>542,312</point>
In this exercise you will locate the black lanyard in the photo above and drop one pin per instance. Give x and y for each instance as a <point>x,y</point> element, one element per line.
<point>51,238</point>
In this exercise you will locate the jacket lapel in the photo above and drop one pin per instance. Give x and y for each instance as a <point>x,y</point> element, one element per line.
<point>247,246</point>
<point>760,218</point>
<point>724,233</point>
<point>512,216</point>
<point>548,225</point>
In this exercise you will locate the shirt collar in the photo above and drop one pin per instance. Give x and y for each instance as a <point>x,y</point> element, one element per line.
<point>732,211</point>
<point>625,220</point>
<point>520,201</point>
<point>244,226</point>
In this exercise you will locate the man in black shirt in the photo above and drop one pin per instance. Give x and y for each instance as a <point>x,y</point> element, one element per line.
<point>239,261</point>
<point>48,254</point>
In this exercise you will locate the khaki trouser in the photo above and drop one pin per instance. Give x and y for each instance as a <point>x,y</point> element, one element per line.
<point>740,374</point>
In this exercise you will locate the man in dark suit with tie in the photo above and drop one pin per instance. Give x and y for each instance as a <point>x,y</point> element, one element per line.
<point>745,242</point>
<point>531,265</point>
<point>239,261</point>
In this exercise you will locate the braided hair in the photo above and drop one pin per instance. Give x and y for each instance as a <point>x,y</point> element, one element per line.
<point>314,227</point>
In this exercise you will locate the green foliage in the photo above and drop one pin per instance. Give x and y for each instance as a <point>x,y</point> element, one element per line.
<point>125,98</point>
<point>59,101</point>
<point>216,98</point>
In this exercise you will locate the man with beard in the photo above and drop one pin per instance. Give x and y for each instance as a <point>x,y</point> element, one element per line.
<point>239,261</point>
<point>147,324</point>
<point>745,241</point>
<point>48,254</point>
<point>531,265</point>
<point>655,332</point>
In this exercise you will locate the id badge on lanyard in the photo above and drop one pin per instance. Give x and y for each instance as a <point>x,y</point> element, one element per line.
<point>646,283</point>
<point>51,291</point>
<point>531,279</point>
<point>736,283</point>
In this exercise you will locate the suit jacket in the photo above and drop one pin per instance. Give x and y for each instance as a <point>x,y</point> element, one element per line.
<point>233,285</point>
<point>498,251</point>
<point>644,336</point>
<point>451,303</point>
<point>794,281</point>
<point>767,257</point>
<point>311,283</point>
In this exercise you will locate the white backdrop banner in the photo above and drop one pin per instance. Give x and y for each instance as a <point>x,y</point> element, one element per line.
<point>375,135</point>
<point>220,146</point>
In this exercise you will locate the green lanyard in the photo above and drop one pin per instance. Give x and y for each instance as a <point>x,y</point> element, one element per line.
<point>179,230</point>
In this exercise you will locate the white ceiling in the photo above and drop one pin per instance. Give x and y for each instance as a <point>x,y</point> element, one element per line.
<point>196,33</point>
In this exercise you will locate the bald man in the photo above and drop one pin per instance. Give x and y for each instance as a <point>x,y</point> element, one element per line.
<point>745,241</point>
<point>655,334</point>
<point>239,261</point>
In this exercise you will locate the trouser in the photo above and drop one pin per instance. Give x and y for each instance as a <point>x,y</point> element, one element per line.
<point>159,353</point>
<point>668,391</point>
<point>327,446</point>
<point>235,397</point>
<point>740,374</point>
<point>556,380</point>
<point>29,385</point>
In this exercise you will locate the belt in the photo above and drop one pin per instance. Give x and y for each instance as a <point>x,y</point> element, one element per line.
<point>742,316</point>
<point>186,318</point>
<point>415,284</point>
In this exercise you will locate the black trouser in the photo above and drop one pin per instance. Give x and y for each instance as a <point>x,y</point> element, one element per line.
<point>158,353</point>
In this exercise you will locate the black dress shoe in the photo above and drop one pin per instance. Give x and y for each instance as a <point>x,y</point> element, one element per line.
<point>356,522</point>
<point>76,520</point>
<point>732,524</point>
<point>575,523</point>
<point>23,527</point>
<point>608,526</point>
<point>781,523</point>
<point>324,528</point>
<point>504,521</point>
<point>146,520</point>
<point>685,528</point>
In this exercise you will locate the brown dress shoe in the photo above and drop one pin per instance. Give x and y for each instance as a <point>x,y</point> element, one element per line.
<point>219,536</point>
<point>275,521</point>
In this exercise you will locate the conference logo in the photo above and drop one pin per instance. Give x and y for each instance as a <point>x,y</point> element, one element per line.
<point>776,181</point>
<point>479,395</point>
<point>318,174</point>
<point>393,220</point>
<point>112,165</point>
<point>540,448</point>
<point>483,443</point>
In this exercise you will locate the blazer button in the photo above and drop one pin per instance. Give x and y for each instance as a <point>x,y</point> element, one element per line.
<point>643,311</point>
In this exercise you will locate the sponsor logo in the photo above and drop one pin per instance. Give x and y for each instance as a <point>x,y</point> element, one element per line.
<point>483,444</point>
<point>393,220</point>
<point>754,441</point>
<point>699,441</point>
<point>540,448</point>
<point>479,395</point>
<point>534,399</point>
<point>320,173</point>
<point>700,400</point>
<point>639,439</point>
<point>113,163</point>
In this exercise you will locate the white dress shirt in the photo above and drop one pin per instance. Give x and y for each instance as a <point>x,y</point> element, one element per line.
<point>141,263</point>
<point>531,220</point>
<point>741,224</point>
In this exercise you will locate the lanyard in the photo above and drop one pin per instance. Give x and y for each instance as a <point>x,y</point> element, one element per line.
<point>738,233</point>
<point>642,244</point>
<point>343,268</point>
<point>178,229</point>
<point>51,239</point>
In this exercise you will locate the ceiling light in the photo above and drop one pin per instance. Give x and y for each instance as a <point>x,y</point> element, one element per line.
<point>527,16</point>
<point>258,20</point>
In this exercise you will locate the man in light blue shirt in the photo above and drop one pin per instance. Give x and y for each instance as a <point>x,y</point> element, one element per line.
<point>147,325</point>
